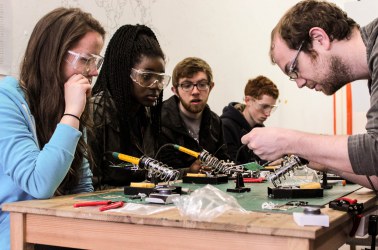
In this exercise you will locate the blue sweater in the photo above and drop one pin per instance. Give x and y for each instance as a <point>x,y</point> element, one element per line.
<point>27,171</point>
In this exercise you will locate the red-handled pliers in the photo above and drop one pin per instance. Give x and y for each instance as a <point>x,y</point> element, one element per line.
<point>107,204</point>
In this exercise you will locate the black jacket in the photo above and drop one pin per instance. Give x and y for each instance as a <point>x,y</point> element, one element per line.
<point>174,131</point>
<point>107,138</point>
<point>234,127</point>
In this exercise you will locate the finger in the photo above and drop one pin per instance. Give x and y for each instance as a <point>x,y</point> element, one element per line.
<point>89,91</point>
<point>244,139</point>
<point>76,77</point>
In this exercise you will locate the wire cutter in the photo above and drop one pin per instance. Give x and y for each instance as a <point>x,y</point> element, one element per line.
<point>352,207</point>
<point>106,205</point>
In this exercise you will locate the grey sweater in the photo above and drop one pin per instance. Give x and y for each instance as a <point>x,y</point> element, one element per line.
<point>363,148</point>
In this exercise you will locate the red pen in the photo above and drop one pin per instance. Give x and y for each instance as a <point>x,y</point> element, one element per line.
<point>91,203</point>
<point>111,206</point>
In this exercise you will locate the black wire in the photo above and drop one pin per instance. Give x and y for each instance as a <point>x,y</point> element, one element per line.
<point>162,147</point>
<point>238,152</point>
<point>268,162</point>
<point>223,145</point>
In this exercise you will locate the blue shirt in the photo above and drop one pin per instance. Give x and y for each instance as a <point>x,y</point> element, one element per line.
<point>27,171</point>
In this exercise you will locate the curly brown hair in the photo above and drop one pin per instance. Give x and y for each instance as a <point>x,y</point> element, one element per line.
<point>294,26</point>
<point>259,86</point>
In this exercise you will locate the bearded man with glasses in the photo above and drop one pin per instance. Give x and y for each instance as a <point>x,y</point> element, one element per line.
<point>187,119</point>
<point>260,96</point>
<point>318,46</point>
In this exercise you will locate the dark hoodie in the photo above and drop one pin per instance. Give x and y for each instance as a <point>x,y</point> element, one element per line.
<point>234,127</point>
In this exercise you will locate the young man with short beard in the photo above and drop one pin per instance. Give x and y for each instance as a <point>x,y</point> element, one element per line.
<point>187,119</point>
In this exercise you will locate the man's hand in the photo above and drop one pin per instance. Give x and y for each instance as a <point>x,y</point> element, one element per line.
<point>196,167</point>
<point>267,143</point>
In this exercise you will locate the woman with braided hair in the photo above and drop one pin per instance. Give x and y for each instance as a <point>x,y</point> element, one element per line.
<point>126,103</point>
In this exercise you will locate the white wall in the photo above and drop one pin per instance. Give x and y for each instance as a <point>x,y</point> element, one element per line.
<point>233,36</point>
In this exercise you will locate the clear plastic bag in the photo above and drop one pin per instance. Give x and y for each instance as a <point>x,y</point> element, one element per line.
<point>300,175</point>
<point>206,203</point>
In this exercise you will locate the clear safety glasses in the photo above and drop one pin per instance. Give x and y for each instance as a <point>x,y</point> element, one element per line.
<point>148,79</point>
<point>265,107</point>
<point>84,63</point>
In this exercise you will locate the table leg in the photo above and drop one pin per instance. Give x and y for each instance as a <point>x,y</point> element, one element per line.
<point>17,231</point>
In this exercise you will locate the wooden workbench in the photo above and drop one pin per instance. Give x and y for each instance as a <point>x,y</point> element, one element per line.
<point>56,222</point>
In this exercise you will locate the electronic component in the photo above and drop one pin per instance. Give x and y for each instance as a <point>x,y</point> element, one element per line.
<point>294,192</point>
<point>161,198</point>
<point>290,163</point>
<point>155,168</point>
<point>216,179</point>
<point>217,166</point>
<point>164,194</point>
<point>239,188</point>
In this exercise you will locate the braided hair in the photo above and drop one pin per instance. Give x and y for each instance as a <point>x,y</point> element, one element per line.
<point>125,49</point>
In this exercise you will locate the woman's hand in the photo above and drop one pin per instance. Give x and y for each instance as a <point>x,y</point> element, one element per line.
<point>76,90</point>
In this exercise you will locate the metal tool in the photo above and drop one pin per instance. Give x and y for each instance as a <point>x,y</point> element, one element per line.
<point>207,159</point>
<point>155,168</point>
<point>105,205</point>
<point>289,163</point>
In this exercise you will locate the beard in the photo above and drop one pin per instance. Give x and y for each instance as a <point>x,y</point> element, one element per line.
<point>195,109</point>
<point>338,76</point>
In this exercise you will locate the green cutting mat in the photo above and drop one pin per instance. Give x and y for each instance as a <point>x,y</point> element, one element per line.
<point>251,201</point>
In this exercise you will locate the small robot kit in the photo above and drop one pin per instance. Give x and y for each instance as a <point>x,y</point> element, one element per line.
<point>289,165</point>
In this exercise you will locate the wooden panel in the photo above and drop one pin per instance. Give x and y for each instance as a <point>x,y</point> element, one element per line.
<point>56,222</point>
<point>90,234</point>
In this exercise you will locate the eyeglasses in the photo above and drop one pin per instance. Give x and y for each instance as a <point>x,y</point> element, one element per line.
<point>201,85</point>
<point>147,79</point>
<point>84,63</point>
<point>293,73</point>
<point>265,107</point>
